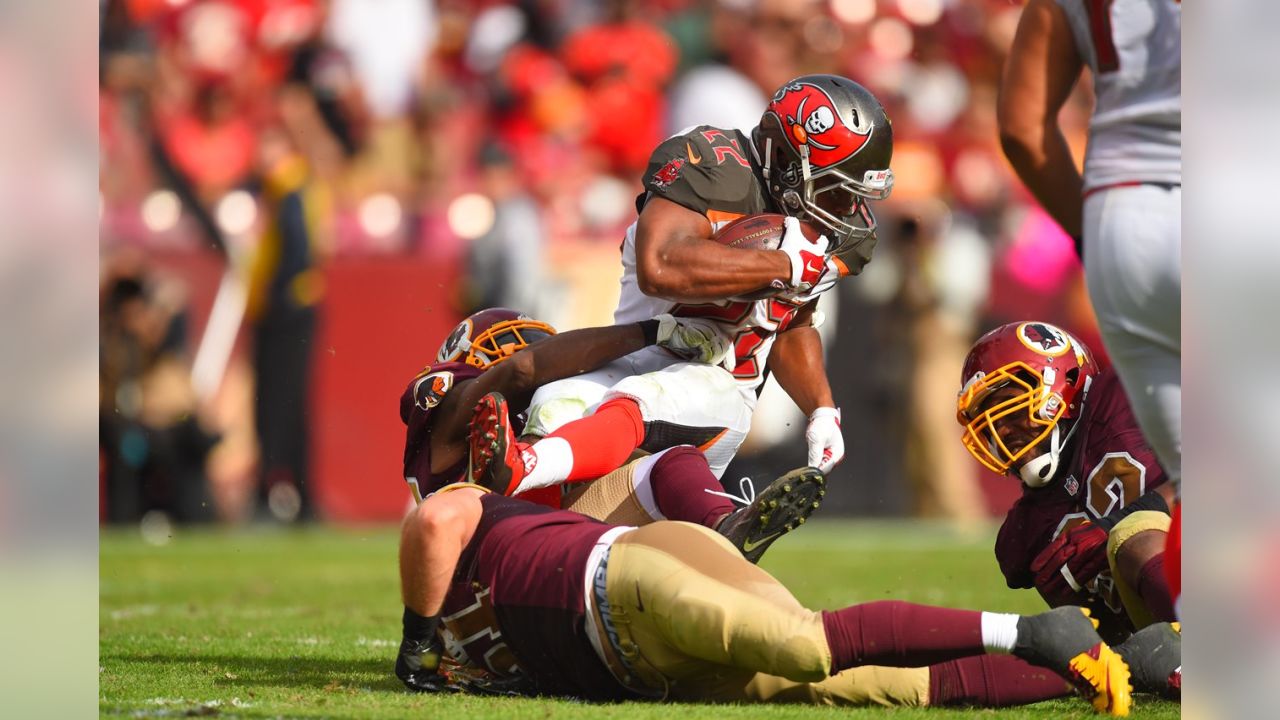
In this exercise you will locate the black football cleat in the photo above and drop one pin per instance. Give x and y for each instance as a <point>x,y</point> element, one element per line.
<point>779,509</point>
<point>494,456</point>
<point>1154,656</point>
<point>1066,641</point>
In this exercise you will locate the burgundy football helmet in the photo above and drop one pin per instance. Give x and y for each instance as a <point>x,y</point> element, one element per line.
<point>1022,383</point>
<point>490,336</point>
<point>824,144</point>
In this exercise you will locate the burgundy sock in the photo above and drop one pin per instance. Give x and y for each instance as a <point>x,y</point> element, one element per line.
<point>680,479</point>
<point>900,634</point>
<point>602,441</point>
<point>992,681</point>
<point>1153,588</point>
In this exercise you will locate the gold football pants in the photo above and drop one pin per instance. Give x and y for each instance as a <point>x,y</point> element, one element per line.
<point>613,498</point>
<point>696,621</point>
<point>1138,522</point>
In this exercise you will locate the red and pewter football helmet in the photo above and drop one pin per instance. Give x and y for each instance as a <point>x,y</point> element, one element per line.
<point>490,336</point>
<point>824,144</point>
<point>1030,378</point>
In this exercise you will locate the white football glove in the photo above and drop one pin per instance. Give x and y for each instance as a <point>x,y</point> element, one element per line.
<point>694,339</point>
<point>812,272</point>
<point>826,444</point>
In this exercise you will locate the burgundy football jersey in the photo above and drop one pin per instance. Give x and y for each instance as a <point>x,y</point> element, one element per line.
<point>424,394</point>
<point>516,604</point>
<point>1110,466</point>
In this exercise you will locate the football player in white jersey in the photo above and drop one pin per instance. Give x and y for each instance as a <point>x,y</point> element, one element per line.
<point>820,154</point>
<point>1127,207</point>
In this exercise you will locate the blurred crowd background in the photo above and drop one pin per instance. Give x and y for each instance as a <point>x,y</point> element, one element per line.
<point>299,198</point>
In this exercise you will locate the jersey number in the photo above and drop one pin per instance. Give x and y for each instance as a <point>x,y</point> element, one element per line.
<point>751,340</point>
<point>1116,481</point>
<point>475,630</point>
<point>727,147</point>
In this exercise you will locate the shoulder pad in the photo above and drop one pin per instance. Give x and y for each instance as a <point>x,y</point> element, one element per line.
<point>705,169</point>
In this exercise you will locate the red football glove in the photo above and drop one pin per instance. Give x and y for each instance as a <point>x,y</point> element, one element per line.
<point>1071,561</point>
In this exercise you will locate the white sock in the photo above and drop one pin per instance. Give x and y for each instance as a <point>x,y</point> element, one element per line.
<point>553,461</point>
<point>999,631</point>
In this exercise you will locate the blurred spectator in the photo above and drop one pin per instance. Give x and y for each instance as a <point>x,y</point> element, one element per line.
<point>624,64</point>
<point>154,446</point>
<point>285,289</point>
<point>504,265</point>
<point>944,277</point>
<point>720,93</point>
<point>387,41</point>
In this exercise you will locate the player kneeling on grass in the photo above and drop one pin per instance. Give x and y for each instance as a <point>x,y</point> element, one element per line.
<point>1090,526</point>
<point>556,603</point>
<point>499,352</point>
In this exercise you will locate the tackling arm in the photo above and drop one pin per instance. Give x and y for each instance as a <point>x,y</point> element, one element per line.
<point>1041,69</point>
<point>677,260</point>
<point>560,356</point>
<point>431,541</point>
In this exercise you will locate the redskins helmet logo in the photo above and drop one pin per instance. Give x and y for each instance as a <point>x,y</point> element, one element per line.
<point>1044,338</point>
<point>810,119</point>
<point>456,344</point>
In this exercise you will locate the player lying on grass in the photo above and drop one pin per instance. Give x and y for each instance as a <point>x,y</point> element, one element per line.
<point>502,351</point>
<point>556,603</point>
<point>1091,524</point>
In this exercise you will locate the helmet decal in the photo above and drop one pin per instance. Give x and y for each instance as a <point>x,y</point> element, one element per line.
<point>457,343</point>
<point>1044,338</point>
<point>811,120</point>
<point>491,336</point>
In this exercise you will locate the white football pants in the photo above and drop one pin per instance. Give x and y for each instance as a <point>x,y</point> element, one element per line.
<point>1133,267</point>
<point>682,403</point>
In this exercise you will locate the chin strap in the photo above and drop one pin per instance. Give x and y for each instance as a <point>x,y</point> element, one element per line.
<point>1038,471</point>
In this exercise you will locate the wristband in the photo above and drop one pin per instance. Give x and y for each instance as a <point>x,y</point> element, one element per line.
<point>1148,501</point>
<point>650,330</point>
<point>418,628</point>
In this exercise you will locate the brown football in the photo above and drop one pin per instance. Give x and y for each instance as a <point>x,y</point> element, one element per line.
<point>758,232</point>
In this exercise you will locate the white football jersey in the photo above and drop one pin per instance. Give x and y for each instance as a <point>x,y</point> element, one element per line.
<point>1134,48</point>
<point>753,325</point>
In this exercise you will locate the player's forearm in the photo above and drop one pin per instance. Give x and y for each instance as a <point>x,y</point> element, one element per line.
<point>694,269</point>
<point>796,362</point>
<point>1043,162</point>
<point>429,552</point>
<point>568,354</point>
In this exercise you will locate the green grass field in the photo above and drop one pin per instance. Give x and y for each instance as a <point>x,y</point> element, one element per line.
<point>266,624</point>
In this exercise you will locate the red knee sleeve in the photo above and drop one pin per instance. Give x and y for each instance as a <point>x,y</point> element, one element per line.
<point>602,441</point>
